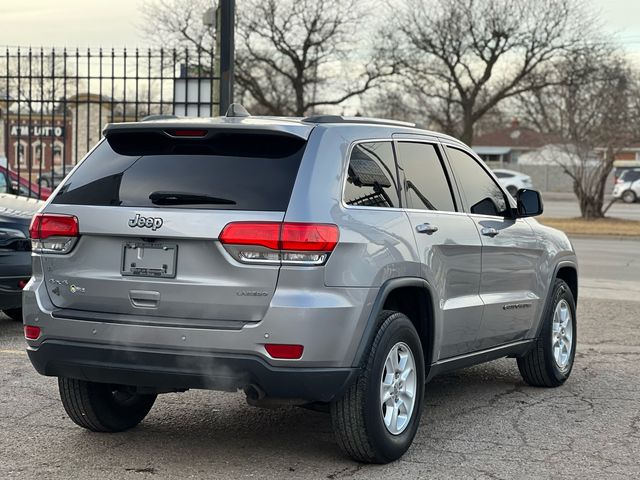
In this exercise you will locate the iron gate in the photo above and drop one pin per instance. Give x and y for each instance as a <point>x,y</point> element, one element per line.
<point>55,103</point>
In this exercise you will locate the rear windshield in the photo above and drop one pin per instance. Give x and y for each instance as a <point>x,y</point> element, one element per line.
<point>231,171</point>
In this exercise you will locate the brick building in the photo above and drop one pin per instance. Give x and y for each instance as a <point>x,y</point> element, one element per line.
<point>33,141</point>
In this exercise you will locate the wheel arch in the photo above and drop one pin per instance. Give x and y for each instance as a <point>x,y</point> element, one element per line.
<point>412,297</point>
<point>566,270</point>
<point>569,274</point>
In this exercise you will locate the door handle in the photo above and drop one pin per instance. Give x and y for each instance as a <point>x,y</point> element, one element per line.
<point>489,232</point>
<point>426,228</point>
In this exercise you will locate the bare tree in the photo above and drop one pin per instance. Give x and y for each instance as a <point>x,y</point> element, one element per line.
<point>467,56</point>
<point>36,80</point>
<point>296,56</point>
<point>596,111</point>
<point>293,57</point>
<point>179,24</point>
<point>391,102</point>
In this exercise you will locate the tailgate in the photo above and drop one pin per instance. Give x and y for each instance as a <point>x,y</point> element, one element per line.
<point>204,282</point>
<point>150,208</point>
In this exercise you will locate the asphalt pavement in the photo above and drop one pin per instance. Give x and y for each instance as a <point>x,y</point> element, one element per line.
<point>482,422</point>
<point>564,205</point>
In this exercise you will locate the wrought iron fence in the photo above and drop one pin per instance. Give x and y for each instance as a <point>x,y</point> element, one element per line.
<point>55,103</point>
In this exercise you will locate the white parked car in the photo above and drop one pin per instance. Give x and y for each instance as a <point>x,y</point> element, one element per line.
<point>512,180</point>
<point>627,186</point>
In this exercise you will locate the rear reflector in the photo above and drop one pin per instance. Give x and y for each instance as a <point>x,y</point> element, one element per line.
<point>31,332</point>
<point>288,352</point>
<point>45,225</point>
<point>22,284</point>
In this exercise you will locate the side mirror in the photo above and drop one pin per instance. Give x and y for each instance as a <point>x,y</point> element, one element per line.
<point>529,203</point>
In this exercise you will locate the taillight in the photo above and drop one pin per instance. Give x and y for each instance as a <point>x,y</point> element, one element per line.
<point>275,242</point>
<point>53,233</point>
<point>288,352</point>
<point>264,234</point>
<point>619,181</point>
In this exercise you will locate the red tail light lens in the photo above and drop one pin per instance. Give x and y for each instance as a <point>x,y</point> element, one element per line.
<point>45,225</point>
<point>275,242</point>
<point>31,332</point>
<point>53,233</point>
<point>264,234</point>
<point>309,237</point>
<point>286,352</point>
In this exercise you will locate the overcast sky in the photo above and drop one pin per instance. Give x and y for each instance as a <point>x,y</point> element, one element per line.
<point>113,23</point>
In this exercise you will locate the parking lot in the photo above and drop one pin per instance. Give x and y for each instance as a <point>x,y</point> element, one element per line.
<point>482,422</point>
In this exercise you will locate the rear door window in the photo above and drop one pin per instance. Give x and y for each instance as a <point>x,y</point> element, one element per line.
<point>229,171</point>
<point>426,184</point>
<point>371,180</point>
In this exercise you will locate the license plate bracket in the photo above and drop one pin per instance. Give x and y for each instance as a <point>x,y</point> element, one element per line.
<point>149,259</point>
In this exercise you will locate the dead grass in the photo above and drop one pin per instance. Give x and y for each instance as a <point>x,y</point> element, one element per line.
<point>602,226</point>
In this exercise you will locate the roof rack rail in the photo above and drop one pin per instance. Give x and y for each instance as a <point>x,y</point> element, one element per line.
<point>151,118</point>
<point>361,120</point>
<point>237,110</point>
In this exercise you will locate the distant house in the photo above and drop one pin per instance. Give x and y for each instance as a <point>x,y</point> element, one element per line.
<point>630,153</point>
<point>504,146</point>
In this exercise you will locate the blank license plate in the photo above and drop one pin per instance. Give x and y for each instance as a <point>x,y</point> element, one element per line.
<point>141,259</point>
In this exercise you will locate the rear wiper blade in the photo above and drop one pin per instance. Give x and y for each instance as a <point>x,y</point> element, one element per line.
<point>180,198</point>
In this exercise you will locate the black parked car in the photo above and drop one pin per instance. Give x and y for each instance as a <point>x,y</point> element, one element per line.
<point>15,251</point>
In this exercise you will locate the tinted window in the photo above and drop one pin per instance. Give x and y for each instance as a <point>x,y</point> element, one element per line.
<point>630,176</point>
<point>482,194</point>
<point>230,171</point>
<point>4,186</point>
<point>426,184</point>
<point>371,180</point>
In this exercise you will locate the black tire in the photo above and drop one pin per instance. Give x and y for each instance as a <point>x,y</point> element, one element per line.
<point>512,190</point>
<point>629,196</point>
<point>357,417</point>
<point>14,314</point>
<point>102,407</point>
<point>539,367</point>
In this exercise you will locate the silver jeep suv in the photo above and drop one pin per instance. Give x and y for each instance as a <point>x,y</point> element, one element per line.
<point>337,263</point>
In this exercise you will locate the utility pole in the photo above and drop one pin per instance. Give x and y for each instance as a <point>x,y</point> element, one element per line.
<point>225,33</point>
<point>222,18</point>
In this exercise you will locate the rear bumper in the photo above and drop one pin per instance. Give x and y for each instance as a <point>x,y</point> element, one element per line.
<point>166,369</point>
